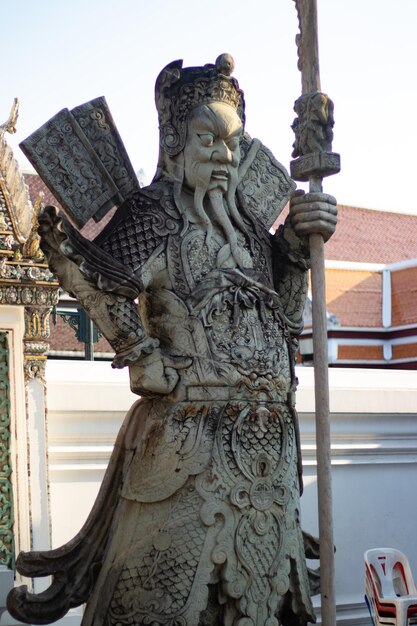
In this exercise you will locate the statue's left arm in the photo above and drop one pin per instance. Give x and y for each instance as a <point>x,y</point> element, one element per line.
<point>309,213</point>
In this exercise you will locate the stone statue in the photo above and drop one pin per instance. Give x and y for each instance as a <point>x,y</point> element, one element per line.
<point>198,518</point>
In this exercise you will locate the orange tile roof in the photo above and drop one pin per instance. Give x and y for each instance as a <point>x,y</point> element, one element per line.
<point>63,337</point>
<point>404,296</point>
<point>404,351</point>
<point>370,236</point>
<point>355,297</point>
<point>360,353</point>
<point>35,185</point>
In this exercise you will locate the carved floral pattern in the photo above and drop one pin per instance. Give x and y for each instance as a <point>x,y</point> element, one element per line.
<point>234,525</point>
<point>6,492</point>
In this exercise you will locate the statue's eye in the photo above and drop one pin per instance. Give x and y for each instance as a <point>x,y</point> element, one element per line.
<point>233,143</point>
<point>207,139</point>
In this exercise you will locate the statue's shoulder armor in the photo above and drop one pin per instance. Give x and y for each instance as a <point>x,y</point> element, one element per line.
<point>264,184</point>
<point>140,226</point>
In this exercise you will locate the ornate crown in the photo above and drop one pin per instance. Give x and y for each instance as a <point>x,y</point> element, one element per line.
<point>178,90</point>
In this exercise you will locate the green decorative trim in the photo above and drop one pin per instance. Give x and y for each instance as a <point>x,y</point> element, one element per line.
<point>6,493</point>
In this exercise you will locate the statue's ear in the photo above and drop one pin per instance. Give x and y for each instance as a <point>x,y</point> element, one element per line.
<point>170,137</point>
<point>167,77</point>
<point>171,133</point>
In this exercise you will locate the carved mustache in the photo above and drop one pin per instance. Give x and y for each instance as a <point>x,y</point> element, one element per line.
<point>223,205</point>
<point>204,173</point>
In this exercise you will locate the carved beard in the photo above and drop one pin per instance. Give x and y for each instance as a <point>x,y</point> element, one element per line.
<point>224,211</point>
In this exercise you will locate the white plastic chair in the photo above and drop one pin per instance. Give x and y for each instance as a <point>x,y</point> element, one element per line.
<point>390,592</point>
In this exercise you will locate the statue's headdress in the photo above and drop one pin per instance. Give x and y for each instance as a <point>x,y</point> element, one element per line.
<point>178,90</point>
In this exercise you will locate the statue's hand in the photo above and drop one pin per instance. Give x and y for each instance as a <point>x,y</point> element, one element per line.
<point>49,228</point>
<point>156,373</point>
<point>313,213</point>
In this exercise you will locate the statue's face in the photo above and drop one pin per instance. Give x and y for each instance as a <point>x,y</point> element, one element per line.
<point>211,152</point>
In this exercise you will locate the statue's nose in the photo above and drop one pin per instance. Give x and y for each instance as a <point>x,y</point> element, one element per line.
<point>222,154</point>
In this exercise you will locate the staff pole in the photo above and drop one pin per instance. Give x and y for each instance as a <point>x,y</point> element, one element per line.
<point>313,132</point>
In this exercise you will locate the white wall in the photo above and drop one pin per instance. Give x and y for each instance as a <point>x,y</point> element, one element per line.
<point>86,406</point>
<point>374,454</point>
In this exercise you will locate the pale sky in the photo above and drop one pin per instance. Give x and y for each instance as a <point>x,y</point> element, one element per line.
<point>58,54</point>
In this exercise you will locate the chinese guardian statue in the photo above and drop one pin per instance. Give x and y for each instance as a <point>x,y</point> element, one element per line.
<point>198,519</point>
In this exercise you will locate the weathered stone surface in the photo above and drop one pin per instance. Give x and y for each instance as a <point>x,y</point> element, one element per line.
<point>81,158</point>
<point>197,521</point>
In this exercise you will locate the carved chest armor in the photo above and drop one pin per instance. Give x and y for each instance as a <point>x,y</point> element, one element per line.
<point>227,319</point>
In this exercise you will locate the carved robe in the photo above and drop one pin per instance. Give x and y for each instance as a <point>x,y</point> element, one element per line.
<point>211,495</point>
<point>197,521</point>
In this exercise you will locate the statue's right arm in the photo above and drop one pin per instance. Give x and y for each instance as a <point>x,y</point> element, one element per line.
<point>105,290</point>
<point>309,214</point>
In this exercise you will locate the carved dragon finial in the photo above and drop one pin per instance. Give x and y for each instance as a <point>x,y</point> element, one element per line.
<point>298,37</point>
<point>10,125</point>
<point>31,248</point>
<point>36,209</point>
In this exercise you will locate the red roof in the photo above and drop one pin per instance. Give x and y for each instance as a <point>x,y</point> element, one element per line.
<point>355,297</point>
<point>36,185</point>
<point>370,236</point>
<point>63,338</point>
<point>404,296</point>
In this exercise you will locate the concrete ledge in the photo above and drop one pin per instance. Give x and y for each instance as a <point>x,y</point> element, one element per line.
<point>6,585</point>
